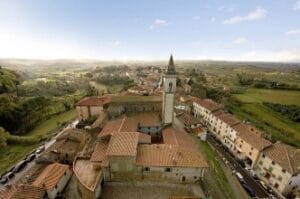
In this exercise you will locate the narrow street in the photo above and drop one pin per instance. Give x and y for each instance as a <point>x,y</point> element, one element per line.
<point>47,144</point>
<point>256,187</point>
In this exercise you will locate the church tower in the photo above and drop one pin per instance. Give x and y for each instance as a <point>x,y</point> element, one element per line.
<point>169,88</point>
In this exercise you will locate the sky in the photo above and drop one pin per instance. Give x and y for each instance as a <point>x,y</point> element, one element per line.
<point>234,30</point>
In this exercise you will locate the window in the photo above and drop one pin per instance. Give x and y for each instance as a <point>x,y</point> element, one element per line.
<point>270,169</point>
<point>146,169</point>
<point>283,171</point>
<point>273,162</point>
<point>263,155</point>
<point>251,148</point>
<point>167,169</point>
<point>294,187</point>
<point>250,153</point>
<point>195,177</point>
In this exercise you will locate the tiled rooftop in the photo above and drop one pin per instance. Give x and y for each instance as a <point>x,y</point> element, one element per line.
<point>99,154</point>
<point>167,155</point>
<point>208,104</point>
<point>123,144</point>
<point>51,176</point>
<point>286,156</point>
<point>251,135</point>
<point>144,138</point>
<point>22,192</point>
<point>228,119</point>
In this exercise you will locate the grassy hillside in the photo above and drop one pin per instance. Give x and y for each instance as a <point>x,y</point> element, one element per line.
<point>249,106</point>
<point>13,153</point>
<point>253,95</point>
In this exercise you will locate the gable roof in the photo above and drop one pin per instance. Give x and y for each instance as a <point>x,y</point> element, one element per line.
<point>229,119</point>
<point>123,144</point>
<point>251,135</point>
<point>50,176</point>
<point>99,154</point>
<point>167,155</point>
<point>22,192</point>
<point>286,156</point>
<point>208,104</point>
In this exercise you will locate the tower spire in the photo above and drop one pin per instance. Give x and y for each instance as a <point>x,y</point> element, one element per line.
<point>171,67</point>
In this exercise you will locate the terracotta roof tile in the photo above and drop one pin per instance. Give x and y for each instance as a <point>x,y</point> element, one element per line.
<point>144,138</point>
<point>286,156</point>
<point>208,104</point>
<point>99,154</point>
<point>123,144</point>
<point>22,192</point>
<point>111,127</point>
<point>129,125</point>
<point>94,101</point>
<point>252,136</point>
<point>167,155</point>
<point>229,119</point>
<point>50,176</point>
<point>147,118</point>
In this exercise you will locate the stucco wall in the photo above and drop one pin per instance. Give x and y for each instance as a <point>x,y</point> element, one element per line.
<point>246,150</point>
<point>172,174</point>
<point>123,168</point>
<point>264,165</point>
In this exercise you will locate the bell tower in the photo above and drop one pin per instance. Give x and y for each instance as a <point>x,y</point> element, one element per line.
<point>169,88</point>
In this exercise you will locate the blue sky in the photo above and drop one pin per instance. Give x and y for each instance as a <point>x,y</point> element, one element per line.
<point>266,30</point>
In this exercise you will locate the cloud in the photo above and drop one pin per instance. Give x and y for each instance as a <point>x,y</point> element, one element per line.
<point>297,5</point>
<point>293,32</point>
<point>257,14</point>
<point>213,19</point>
<point>240,40</point>
<point>158,23</point>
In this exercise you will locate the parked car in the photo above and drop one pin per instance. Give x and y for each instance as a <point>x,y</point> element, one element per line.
<point>265,186</point>
<point>30,157</point>
<point>3,180</point>
<point>40,149</point>
<point>251,172</point>
<point>240,177</point>
<point>7,177</point>
<point>249,190</point>
<point>19,166</point>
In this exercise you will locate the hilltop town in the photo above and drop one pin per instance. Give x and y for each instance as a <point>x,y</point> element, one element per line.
<point>155,137</point>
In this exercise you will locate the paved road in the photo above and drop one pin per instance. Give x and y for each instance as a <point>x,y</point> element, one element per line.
<point>47,144</point>
<point>257,188</point>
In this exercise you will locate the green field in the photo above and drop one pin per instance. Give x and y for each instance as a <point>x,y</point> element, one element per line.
<point>215,179</point>
<point>269,95</point>
<point>13,153</point>
<point>279,127</point>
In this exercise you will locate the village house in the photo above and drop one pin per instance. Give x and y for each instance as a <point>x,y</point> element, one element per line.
<point>278,165</point>
<point>53,179</point>
<point>249,143</point>
<point>223,127</point>
<point>22,191</point>
<point>91,106</point>
<point>203,109</point>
